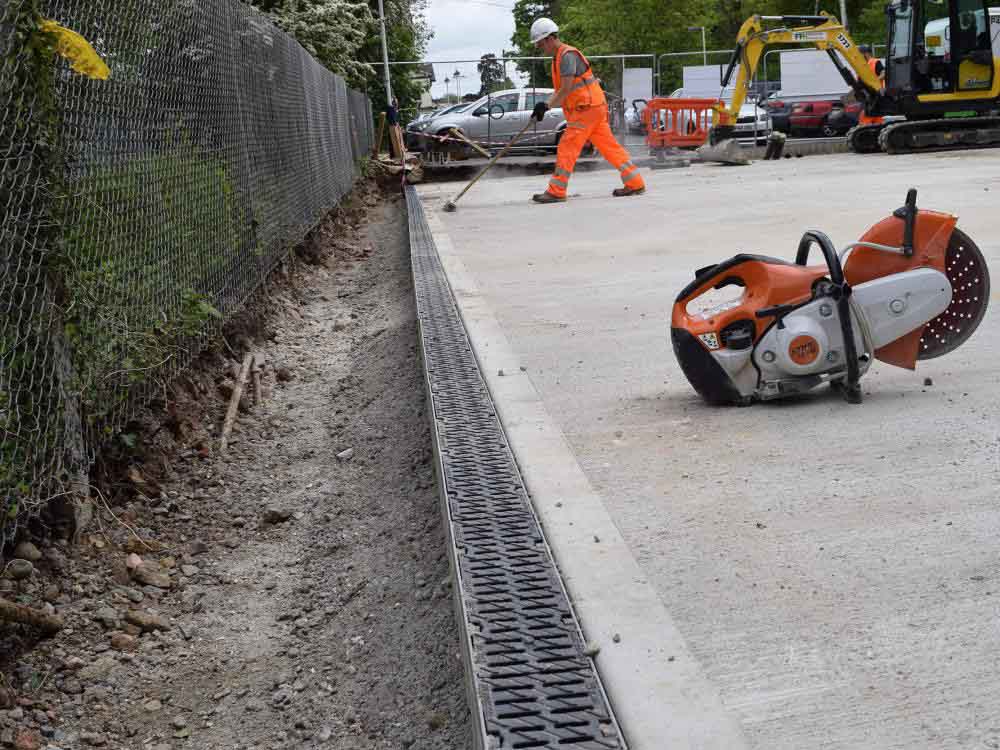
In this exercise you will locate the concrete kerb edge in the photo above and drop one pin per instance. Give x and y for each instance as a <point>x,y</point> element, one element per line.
<point>655,686</point>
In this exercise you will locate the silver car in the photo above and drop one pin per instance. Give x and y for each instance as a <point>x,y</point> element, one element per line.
<point>494,120</point>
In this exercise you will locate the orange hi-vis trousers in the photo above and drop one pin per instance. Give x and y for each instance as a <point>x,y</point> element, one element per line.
<point>591,125</point>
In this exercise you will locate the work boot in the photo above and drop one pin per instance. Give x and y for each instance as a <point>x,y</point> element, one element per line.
<point>547,197</point>
<point>626,191</point>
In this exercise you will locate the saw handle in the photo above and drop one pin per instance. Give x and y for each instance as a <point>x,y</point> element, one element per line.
<point>908,214</point>
<point>841,295</point>
<point>829,254</point>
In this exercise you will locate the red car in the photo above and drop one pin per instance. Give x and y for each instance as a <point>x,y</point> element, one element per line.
<point>810,118</point>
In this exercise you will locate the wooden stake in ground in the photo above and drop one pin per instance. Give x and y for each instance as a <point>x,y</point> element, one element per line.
<point>48,624</point>
<point>476,146</point>
<point>234,404</point>
<point>258,365</point>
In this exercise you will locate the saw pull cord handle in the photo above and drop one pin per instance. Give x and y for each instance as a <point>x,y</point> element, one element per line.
<point>852,390</point>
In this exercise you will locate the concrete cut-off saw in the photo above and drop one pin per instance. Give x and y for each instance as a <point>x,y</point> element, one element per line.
<point>913,287</point>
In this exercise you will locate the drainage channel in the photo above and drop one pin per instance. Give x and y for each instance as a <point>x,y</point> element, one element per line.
<point>530,683</point>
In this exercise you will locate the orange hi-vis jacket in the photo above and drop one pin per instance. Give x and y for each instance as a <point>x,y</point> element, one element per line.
<point>586,91</point>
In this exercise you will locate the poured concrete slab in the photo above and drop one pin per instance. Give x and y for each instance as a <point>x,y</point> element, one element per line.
<point>831,571</point>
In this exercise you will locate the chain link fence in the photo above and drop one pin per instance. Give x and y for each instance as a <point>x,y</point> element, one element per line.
<point>140,212</point>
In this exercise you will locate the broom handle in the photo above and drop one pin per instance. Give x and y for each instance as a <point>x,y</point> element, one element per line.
<point>494,160</point>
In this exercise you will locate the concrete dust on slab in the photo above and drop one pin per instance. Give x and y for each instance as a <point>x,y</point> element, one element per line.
<point>831,567</point>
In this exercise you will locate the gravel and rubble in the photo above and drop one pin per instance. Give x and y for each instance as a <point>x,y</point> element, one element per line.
<point>294,593</point>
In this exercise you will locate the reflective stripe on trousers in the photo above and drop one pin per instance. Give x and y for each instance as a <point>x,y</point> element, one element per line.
<point>591,125</point>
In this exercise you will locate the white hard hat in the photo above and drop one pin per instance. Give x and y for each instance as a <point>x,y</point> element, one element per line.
<point>542,28</point>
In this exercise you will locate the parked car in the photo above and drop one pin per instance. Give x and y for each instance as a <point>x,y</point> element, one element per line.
<point>843,116</point>
<point>416,127</point>
<point>495,119</point>
<point>779,106</point>
<point>633,117</point>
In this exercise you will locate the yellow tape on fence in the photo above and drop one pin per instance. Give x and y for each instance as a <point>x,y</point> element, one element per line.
<point>83,58</point>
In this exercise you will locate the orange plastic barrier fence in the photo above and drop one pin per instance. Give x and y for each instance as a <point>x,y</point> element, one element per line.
<point>678,123</point>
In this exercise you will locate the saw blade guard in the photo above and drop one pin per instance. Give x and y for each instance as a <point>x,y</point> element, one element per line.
<point>936,243</point>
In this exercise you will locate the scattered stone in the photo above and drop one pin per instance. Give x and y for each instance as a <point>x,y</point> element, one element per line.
<point>168,562</point>
<point>27,739</point>
<point>6,699</point>
<point>616,638</point>
<point>149,575</point>
<point>283,374</point>
<point>181,734</point>
<point>99,669</point>
<point>72,687</point>
<point>197,547</point>
<point>51,593</point>
<point>324,734</point>
<point>147,621</point>
<point>74,663</point>
<point>56,559</point>
<point>178,722</point>
<point>592,649</point>
<point>273,516</point>
<point>108,617</point>
<point>124,642</point>
<point>93,739</point>
<point>437,721</point>
<point>346,455</point>
<point>133,561</point>
<point>27,551</point>
<point>189,570</point>
<point>928,382</point>
<point>152,706</point>
<point>19,570</point>
<point>134,595</point>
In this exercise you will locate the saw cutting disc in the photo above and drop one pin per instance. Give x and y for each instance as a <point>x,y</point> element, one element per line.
<point>966,269</point>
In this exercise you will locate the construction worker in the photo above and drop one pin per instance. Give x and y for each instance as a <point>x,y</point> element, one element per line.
<point>879,70</point>
<point>873,62</point>
<point>582,100</point>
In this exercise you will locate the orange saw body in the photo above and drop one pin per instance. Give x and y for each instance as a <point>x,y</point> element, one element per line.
<point>913,287</point>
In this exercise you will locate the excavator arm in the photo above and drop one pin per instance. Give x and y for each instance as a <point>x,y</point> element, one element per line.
<point>823,31</point>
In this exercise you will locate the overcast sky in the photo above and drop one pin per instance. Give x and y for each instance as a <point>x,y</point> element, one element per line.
<point>466,30</point>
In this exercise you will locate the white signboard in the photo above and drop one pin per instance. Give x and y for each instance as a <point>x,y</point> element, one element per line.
<point>810,72</point>
<point>637,83</point>
<point>703,81</point>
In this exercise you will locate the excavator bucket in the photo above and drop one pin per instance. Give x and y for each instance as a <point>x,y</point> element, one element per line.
<point>728,151</point>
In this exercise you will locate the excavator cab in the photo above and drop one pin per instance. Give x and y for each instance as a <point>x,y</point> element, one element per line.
<point>942,48</point>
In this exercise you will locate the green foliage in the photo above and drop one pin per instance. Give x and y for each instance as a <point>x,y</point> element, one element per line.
<point>652,26</point>
<point>492,75</point>
<point>407,35</point>
<point>344,36</point>
<point>332,31</point>
<point>146,248</point>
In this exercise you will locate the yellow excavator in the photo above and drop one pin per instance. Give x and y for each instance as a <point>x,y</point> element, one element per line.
<point>942,73</point>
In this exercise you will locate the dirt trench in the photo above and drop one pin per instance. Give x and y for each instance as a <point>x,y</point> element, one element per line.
<point>305,598</point>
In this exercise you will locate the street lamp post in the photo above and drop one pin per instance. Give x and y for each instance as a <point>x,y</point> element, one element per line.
<point>447,91</point>
<point>458,84</point>
<point>385,54</point>
<point>704,45</point>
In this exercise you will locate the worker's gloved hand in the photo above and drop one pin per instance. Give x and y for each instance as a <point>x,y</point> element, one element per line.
<point>539,112</point>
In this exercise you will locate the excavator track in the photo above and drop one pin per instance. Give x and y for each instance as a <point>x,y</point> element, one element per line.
<point>864,139</point>
<point>923,136</point>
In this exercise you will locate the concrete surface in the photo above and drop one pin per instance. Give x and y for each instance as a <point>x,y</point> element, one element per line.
<point>833,569</point>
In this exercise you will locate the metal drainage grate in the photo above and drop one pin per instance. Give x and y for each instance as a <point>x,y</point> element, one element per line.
<point>531,685</point>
